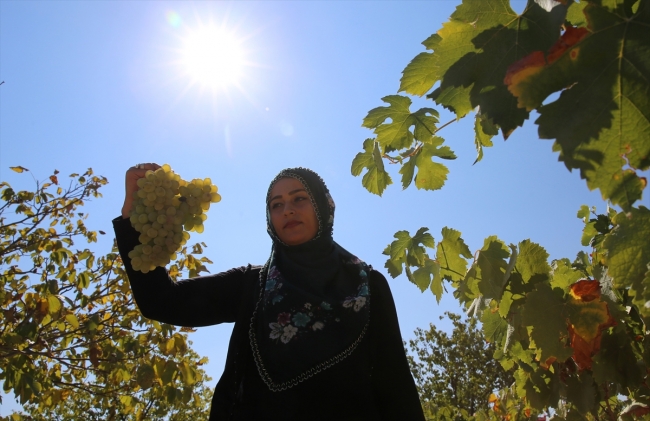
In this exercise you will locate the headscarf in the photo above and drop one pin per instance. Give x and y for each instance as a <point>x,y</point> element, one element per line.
<point>314,302</point>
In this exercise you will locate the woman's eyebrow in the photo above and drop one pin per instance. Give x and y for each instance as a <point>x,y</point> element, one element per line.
<point>291,193</point>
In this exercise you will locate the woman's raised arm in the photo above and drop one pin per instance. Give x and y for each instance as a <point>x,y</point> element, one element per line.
<point>201,301</point>
<point>193,302</point>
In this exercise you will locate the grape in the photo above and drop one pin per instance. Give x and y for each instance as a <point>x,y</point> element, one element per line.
<point>167,207</point>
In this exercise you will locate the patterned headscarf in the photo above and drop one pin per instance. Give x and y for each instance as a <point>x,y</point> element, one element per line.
<point>314,302</point>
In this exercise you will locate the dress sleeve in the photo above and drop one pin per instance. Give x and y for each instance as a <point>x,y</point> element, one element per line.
<point>393,387</point>
<point>200,301</point>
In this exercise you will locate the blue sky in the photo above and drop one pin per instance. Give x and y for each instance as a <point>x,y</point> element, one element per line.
<point>101,84</point>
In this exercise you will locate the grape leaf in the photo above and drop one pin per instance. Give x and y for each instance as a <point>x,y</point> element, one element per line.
<point>492,267</point>
<point>581,392</point>
<point>540,388</point>
<point>484,131</point>
<point>478,43</point>
<point>602,123</point>
<point>544,313</point>
<point>432,175</point>
<point>588,232</point>
<point>584,213</point>
<point>376,179</point>
<point>642,298</point>
<point>424,238</point>
<point>452,253</point>
<point>532,262</point>
<point>428,276</point>
<point>467,288</point>
<point>494,327</point>
<point>408,170</point>
<point>564,275</point>
<point>507,299</point>
<point>397,134</point>
<point>395,267</point>
<point>422,72</point>
<point>399,247</point>
<point>588,316</point>
<point>436,286</point>
<point>628,253</point>
<point>410,251</point>
<point>575,14</point>
<point>617,361</point>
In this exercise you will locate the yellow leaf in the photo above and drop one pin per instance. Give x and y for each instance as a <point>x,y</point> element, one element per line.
<point>126,401</point>
<point>54,303</point>
<point>72,320</point>
<point>19,169</point>
<point>169,346</point>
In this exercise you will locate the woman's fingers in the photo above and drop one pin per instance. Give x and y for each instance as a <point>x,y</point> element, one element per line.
<point>133,174</point>
<point>147,166</point>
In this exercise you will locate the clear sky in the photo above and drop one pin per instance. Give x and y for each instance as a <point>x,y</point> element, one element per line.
<point>106,85</point>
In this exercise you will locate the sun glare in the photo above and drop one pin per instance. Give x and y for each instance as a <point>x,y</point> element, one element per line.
<point>213,57</point>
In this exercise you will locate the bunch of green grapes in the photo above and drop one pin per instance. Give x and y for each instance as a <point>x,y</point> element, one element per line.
<point>166,207</point>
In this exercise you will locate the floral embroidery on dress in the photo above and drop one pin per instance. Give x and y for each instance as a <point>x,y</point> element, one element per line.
<point>310,317</point>
<point>300,319</point>
<point>288,325</point>
<point>273,285</point>
<point>359,301</point>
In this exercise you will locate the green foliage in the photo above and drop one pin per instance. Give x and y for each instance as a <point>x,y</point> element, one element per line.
<point>455,375</point>
<point>601,125</point>
<point>414,135</point>
<point>70,336</point>
<point>575,333</point>
<point>502,65</point>
<point>628,255</point>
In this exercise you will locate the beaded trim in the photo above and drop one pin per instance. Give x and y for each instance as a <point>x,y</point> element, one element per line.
<point>275,387</point>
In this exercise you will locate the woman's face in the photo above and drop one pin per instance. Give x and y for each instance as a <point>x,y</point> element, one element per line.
<point>292,214</point>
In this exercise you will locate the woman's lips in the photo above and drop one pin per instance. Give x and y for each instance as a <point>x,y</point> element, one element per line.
<point>291,224</point>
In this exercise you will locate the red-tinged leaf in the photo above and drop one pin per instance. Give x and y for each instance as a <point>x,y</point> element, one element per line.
<point>585,290</point>
<point>590,316</point>
<point>518,76</point>
<point>547,363</point>
<point>477,44</point>
<point>54,179</point>
<point>18,169</point>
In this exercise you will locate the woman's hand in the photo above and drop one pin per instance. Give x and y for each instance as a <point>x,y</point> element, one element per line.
<point>133,174</point>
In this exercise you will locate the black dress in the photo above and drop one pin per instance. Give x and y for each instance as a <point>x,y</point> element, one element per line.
<point>373,383</point>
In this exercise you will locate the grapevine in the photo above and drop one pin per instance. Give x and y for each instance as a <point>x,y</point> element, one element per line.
<point>166,209</point>
<point>575,333</point>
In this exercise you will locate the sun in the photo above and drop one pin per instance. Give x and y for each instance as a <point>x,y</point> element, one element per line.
<point>213,57</point>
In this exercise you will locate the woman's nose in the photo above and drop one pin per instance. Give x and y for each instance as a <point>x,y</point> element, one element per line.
<point>288,209</point>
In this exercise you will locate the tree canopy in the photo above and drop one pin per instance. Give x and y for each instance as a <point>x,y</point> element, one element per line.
<point>456,372</point>
<point>72,343</point>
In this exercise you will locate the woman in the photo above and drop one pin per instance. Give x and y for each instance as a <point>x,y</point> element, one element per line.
<point>316,334</point>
